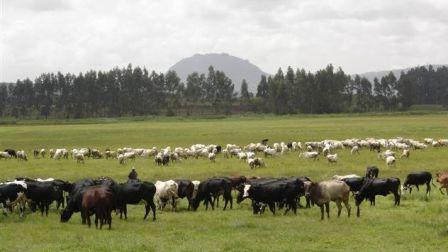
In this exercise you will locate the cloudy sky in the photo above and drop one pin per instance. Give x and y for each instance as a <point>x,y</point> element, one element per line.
<point>76,35</point>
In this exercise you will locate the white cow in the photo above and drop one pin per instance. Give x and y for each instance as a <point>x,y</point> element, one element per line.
<point>166,191</point>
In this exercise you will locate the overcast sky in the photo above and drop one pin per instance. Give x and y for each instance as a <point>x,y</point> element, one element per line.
<point>72,36</point>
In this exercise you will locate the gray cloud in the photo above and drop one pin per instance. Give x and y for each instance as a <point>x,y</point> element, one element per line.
<point>73,36</point>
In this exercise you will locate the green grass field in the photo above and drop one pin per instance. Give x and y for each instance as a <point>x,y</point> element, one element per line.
<point>419,223</point>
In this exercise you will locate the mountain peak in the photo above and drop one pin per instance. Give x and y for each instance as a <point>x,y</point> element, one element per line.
<point>234,67</point>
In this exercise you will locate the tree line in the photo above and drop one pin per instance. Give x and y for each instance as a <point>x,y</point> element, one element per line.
<point>135,91</point>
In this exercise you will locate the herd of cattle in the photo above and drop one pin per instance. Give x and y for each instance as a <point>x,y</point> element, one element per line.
<point>248,153</point>
<point>101,196</point>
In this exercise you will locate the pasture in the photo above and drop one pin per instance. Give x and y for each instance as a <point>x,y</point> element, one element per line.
<point>419,223</point>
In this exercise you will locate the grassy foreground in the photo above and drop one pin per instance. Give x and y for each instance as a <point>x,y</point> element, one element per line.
<point>419,224</point>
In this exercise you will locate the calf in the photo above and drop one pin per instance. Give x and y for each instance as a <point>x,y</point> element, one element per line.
<point>416,179</point>
<point>378,186</point>
<point>98,200</point>
<point>323,192</point>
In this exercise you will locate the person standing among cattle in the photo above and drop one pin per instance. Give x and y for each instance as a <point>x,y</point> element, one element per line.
<point>133,174</point>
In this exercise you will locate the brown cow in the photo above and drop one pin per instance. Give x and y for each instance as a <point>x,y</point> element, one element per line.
<point>323,192</point>
<point>442,178</point>
<point>98,200</point>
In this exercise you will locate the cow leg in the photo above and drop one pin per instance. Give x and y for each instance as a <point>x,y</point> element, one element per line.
<point>397,199</point>
<point>96,221</point>
<point>417,188</point>
<point>147,208</point>
<point>109,220</point>
<point>327,207</point>
<point>88,219</point>
<point>272,207</point>
<point>428,188</point>
<point>83,217</point>
<point>339,205</point>
<point>153,207</point>
<point>173,204</point>
<point>348,207</point>
<point>358,211</point>
<point>410,190</point>
<point>47,207</point>
<point>321,212</point>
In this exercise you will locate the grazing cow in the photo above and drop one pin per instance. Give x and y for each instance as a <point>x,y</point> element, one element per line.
<point>166,191</point>
<point>213,187</point>
<point>323,192</point>
<point>74,199</point>
<point>98,200</point>
<point>42,194</point>
<point>185,190</point>
<point>11,152</point>
<point>372,172</point>
<point>36,153</point>
<point>5,155</point>
<point>9,192</point>
<point>416,179</point>
<point>378,186</point>
<point>442,179</point>
<point>21,155</point>
<point>132,193</point>
<point>280,191</point>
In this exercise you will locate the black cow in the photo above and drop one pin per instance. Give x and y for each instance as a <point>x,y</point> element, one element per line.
<point>354,183</point>
<point>41,194</point>
<point>289,145</point>
<point>241,187</point>
<point>416,179</point>
<point>378,186</point>
<point>11,152</point>
<point>185,190</point>
<point>218,149</point>
<point>212,188</point>
<point>281,191</point>
<point>132,193</point>
<point>74,199</point>
<point>372,172</point>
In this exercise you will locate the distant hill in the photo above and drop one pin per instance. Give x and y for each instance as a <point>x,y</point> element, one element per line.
<point>379,74</point>
<point>235,68</point>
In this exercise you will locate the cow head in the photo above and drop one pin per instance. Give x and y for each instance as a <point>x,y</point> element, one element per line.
<point>243,192</point>
<point>66,214</point>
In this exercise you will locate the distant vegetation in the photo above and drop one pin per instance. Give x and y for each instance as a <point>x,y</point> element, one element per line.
<point>138,92</point>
